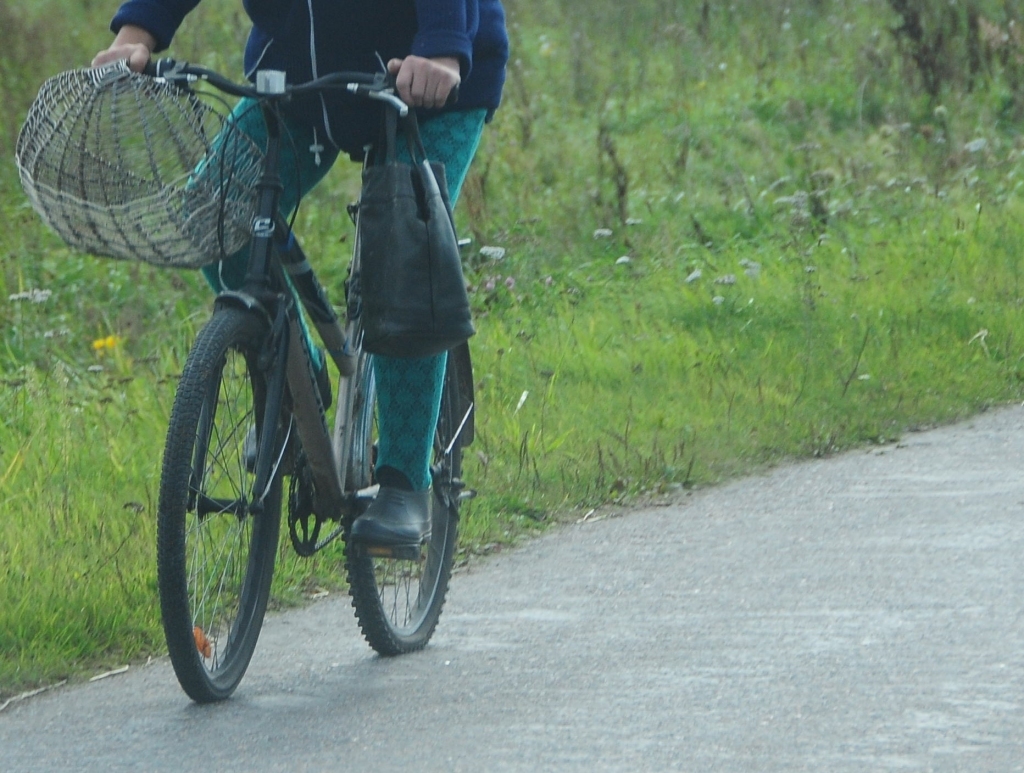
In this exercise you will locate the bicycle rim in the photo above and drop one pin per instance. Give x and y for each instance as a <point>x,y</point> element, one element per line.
<point>215,556</point>
<point>398,599</point>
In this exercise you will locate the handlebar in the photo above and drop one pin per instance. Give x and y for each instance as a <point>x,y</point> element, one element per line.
<point>271,84</point>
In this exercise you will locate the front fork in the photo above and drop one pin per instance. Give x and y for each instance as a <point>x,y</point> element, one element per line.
<point>272,445</point>
<point>289,364</point>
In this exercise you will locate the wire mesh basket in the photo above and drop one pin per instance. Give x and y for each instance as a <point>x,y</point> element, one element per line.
<point>123,166</point>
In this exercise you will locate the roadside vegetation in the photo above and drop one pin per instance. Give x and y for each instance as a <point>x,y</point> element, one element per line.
<point>708,237</point>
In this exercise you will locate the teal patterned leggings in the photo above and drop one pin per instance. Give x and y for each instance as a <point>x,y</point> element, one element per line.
<point>408,390</point>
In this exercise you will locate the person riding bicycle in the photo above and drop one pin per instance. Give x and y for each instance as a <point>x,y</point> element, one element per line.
<point>431,46</point>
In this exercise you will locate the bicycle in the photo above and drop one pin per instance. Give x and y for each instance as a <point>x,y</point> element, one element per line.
<point>249,411</point>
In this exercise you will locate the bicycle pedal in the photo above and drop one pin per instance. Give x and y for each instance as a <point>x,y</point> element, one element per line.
<point>467,494</point>
<point>401,552</point>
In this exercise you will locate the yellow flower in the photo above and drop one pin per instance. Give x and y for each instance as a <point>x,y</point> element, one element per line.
<point>102,344</point>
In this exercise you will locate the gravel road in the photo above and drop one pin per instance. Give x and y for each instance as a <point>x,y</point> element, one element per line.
<point>862,612</point>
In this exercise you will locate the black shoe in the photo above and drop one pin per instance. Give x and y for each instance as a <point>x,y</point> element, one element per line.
<point>395,518</point>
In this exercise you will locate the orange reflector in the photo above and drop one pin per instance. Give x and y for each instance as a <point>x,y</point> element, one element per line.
<point>202,643</point>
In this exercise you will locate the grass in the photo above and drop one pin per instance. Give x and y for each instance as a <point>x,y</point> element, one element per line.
<point>803,354</point>
<point>80,476</point>
<point>735,247</point>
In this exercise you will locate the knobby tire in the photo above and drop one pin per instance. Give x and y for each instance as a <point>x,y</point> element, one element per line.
<point>398,601</point>
<point>215,558</point>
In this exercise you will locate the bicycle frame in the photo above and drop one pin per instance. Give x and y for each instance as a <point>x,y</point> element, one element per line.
<point>218,533</point>
<point>276,263</point>
<point>274,253</point>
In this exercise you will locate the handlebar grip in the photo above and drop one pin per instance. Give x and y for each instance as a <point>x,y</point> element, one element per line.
<point>453,97</point>
<point>155,68</point>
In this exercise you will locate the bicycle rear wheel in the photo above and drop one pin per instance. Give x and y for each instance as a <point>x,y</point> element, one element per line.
<point>398,597</point>
<point>215,552</point>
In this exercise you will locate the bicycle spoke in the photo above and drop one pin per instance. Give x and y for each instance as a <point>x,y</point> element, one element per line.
<point>216,553</point>
<point>398,598</point>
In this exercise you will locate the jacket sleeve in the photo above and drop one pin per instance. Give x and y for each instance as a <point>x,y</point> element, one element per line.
<point>160,18</point>
<point>447,28</point>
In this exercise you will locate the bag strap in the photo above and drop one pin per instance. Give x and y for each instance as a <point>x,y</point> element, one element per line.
<point>410,128</point>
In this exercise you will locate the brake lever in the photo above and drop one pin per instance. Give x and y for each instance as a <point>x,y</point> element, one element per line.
<point>170,71</point>
<point>383,96</point>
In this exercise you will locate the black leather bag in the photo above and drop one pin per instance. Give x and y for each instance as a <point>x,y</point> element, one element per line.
<point>414,300</point>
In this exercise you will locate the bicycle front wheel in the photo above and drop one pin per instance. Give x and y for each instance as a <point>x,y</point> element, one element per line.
<point>398,597</point>
<point>215,550</point>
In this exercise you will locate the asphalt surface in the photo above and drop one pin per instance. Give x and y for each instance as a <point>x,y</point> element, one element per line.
<point>857,613</point>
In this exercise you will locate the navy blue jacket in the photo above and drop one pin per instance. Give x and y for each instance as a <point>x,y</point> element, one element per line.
<point>309,38</point>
